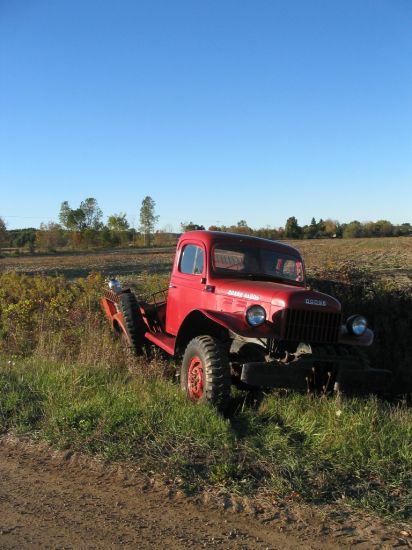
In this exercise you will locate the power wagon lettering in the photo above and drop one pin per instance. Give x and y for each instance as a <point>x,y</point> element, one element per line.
<point>238,294</point>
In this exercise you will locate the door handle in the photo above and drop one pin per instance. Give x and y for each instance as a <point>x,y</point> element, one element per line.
<point>172,286</point>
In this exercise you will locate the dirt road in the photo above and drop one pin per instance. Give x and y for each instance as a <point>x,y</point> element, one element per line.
<point>61,500</point>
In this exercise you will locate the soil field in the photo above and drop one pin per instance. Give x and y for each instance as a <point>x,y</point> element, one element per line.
<point>52,499</point>
<point>109,262</point>
<point>388,258</point>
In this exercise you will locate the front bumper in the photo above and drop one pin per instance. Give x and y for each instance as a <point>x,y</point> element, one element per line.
<point>276,375</point>
<point>363,381</point>
<point>297,376</point>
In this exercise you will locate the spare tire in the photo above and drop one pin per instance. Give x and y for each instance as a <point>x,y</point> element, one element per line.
<point>133,322</point>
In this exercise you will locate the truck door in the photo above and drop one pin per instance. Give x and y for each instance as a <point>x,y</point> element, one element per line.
<point>187,284</point>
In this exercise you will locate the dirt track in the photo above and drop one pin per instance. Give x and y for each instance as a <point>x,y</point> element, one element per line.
<point>60,500</point>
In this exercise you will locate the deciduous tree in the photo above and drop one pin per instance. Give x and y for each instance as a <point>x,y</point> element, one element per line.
<point>64,214</point>
<point>190,226</point>
<point>87,216</point>
<point>352,230</point>
<point>3,232</point>
<point>292,228</point>
<point>118,222</point>
<point>50,237</point>
<point>92,214</point>
<point>148,218</point>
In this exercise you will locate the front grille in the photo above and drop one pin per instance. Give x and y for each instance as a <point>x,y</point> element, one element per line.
<point>311,326</point>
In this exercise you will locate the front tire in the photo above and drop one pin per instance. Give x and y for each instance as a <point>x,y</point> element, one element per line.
<point>205,372</point>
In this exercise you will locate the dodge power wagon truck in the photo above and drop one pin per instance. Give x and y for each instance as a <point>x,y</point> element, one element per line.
<point>239,310</point>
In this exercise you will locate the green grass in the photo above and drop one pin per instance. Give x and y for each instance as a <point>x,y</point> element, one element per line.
<point>317,450</point>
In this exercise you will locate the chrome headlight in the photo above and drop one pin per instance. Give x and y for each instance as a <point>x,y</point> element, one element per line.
<point>357,325</point>
<point>255,315</point>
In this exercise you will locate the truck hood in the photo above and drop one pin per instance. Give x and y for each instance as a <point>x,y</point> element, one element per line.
<point>280,295</point>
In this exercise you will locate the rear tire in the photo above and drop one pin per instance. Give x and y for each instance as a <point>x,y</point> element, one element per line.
<point>205,372</point>
<point>133,321</point>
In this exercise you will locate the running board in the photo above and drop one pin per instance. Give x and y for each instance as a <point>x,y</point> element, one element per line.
<point>164,341</point>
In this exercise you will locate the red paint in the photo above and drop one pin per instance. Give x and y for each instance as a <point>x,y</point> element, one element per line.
<point>163,341</point>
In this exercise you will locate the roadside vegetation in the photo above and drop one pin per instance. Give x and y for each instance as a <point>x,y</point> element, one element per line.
<point>65,379</point>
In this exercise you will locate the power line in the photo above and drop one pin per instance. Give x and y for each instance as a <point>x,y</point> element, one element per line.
<point>26,217</point>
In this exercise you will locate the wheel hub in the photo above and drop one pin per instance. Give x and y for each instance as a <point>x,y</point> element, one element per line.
<point>195,379</point>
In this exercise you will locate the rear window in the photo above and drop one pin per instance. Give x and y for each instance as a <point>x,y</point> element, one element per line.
<point>229,259</point>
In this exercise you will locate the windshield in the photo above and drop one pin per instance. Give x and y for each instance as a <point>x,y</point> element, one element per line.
<point>257,263</point>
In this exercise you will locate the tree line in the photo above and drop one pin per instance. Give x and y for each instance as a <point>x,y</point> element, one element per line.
<point>83,227</point>
<point>315,230</point>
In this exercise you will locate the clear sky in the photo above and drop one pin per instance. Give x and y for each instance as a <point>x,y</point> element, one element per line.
<point>220,110</point>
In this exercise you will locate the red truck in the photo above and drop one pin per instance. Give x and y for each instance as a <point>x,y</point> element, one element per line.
<point>239,310</point>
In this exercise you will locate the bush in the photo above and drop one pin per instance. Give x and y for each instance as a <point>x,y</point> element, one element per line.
<point>48,313</point>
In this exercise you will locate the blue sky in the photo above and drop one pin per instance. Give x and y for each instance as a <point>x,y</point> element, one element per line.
<point>220,110</point>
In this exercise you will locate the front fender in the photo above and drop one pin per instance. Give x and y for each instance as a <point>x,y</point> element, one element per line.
<point>345,337</point>
<point>236,322</point>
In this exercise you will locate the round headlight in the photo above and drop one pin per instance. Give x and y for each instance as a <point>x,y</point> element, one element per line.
<point>357,324</point>
<point>255,315</point>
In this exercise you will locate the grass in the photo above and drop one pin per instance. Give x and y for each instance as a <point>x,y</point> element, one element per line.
<point>295,446</point>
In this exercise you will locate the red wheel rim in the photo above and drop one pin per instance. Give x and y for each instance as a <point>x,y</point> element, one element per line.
<point>195,379</point>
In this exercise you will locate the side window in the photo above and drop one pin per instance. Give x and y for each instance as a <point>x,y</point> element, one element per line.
<point>192,260</point>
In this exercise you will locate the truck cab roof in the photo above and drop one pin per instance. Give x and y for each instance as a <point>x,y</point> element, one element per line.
<point>211,237</point>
